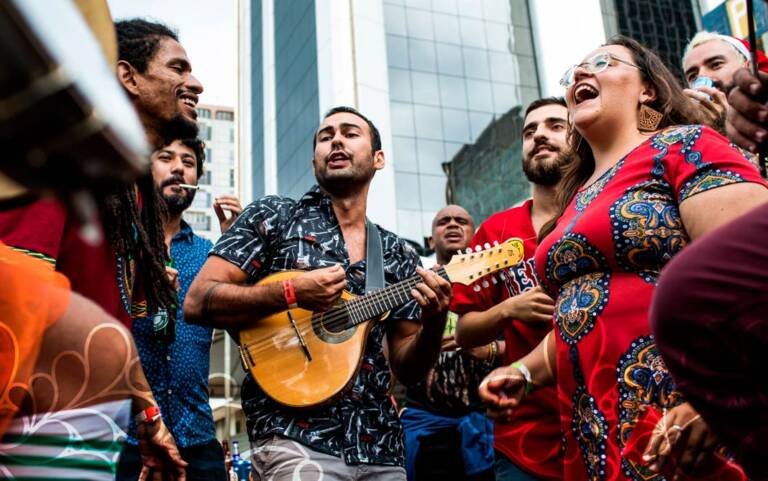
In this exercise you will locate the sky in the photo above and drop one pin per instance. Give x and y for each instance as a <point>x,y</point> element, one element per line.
<point>206,30</point>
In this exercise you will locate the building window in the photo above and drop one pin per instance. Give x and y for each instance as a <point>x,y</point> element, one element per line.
<point>208,155</point>
<point>206,178</point>
<point>224,115</point>
<point>199,221</point>
<point>231,177</point>
<point>205,131</point>
<point>204,113</point>
<point>202,200</point>
<point>231,135</point>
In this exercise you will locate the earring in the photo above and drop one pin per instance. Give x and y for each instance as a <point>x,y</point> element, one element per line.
<point>648,119</point>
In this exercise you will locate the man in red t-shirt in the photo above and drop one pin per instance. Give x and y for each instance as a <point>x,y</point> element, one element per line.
<point>528,446</point>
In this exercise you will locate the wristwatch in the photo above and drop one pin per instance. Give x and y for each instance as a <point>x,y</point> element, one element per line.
<point>148,415</point>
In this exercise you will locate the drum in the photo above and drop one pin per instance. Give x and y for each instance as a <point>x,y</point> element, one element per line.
<point>65,122</point>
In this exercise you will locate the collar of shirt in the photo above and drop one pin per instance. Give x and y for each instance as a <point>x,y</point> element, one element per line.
<point>184,234</point>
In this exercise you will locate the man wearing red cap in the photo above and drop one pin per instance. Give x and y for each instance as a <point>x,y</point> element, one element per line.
<point>715,57</point>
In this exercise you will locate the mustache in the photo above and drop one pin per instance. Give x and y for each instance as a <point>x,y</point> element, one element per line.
<point>176,179</point>
<point>339,151</point>
<point>547,144</point>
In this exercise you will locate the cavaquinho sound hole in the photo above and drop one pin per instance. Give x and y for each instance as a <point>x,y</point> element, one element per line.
<point>333,326</point>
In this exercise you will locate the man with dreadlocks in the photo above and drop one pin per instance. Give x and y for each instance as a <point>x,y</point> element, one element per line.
<point>52,339</point>
<point>125,273</point>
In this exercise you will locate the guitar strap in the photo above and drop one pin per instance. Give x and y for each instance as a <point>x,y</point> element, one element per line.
<point>374,271</point>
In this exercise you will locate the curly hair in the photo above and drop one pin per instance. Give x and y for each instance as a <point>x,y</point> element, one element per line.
<point>138,40</point>
<point>198,147</point>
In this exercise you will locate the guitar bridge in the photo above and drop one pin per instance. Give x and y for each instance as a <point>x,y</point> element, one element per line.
<point>302,342</point>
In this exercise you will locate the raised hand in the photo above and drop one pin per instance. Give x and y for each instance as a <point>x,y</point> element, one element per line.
<point>748,115</point>
<point>714,105</point>
<point>223,204</point>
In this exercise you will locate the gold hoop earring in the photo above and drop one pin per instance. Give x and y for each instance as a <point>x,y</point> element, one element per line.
<point>648,119</point>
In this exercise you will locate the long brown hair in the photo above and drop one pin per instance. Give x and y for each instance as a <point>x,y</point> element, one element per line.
<point>677,108</point>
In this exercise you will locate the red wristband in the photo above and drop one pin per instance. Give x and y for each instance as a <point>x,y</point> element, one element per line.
<point>148,415</point>
<point>290,294</point>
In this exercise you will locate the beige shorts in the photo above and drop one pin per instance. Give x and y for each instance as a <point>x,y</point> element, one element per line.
<point>276,458</point>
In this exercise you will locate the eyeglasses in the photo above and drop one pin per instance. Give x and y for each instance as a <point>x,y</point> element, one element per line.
<point>594,65</point>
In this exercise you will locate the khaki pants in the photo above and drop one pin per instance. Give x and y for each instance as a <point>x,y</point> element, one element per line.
<point>279,459</point>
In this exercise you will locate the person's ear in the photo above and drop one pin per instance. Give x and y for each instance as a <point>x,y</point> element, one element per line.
<point>647,95</point>
<point>378,160</point>
<point>127,76</point>
<point>431,242</point>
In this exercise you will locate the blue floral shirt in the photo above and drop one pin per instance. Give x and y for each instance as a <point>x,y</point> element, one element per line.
<point>178,372</point>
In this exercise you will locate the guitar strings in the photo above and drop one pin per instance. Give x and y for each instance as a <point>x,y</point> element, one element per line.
<point>336,320</point>
<point>339,318</point>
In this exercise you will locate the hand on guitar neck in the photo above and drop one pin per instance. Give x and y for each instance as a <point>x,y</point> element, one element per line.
<point>433,294</point>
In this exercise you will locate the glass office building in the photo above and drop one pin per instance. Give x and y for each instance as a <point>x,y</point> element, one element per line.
<point>453,67</point>
<point>666,26</point>
<point>431,74</point>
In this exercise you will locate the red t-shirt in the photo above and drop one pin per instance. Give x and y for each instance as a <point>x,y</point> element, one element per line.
<point>532,441</point>
<point>601,264</point>
<point>44,229</point>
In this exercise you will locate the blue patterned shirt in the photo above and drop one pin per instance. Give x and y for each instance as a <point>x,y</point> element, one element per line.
<point>178,372</point>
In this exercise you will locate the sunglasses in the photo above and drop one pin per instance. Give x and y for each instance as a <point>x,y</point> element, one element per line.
<point>594,65</point>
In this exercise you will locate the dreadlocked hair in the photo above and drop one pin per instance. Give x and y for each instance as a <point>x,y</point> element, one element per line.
<point>138,234</point>
<point>138,40</point>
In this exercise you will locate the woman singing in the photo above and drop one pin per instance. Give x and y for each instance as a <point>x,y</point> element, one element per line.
<point>646,181</point>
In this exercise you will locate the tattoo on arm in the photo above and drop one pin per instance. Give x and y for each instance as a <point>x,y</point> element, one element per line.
<point>206,314</point>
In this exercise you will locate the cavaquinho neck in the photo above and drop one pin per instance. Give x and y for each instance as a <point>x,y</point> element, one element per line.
<point>361,309</point>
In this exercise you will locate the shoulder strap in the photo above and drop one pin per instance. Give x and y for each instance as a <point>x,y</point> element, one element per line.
<point>374,258</point>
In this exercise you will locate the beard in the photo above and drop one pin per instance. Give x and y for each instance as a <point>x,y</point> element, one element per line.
<point>178,127</point>
<point>548,172</point>
<point>723,87</point>
<point>176,203</point>
<point>339,182</point>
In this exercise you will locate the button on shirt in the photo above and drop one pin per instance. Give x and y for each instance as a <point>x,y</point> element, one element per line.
<point>178,372</point>
<point>276,234</point>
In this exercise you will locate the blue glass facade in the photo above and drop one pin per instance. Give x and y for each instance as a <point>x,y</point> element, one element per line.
<point>257,101</point>
<point>454,66</point>
<point>296,88</point>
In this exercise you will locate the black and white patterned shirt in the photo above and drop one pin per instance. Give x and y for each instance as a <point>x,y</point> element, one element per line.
<point>276,234</point>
